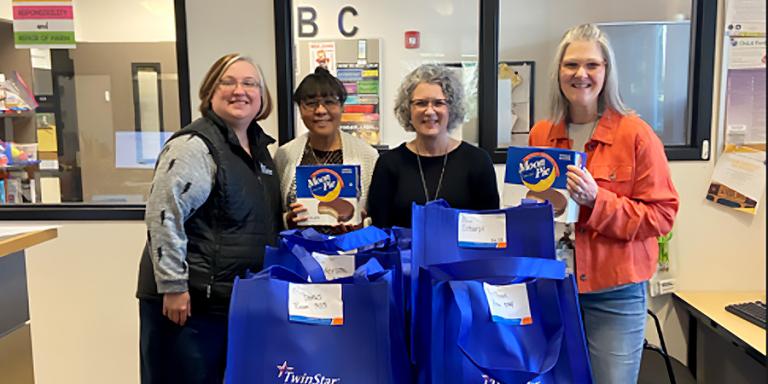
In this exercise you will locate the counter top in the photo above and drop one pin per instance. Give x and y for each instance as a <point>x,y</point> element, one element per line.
<point>14,239</point>
<point>712,305</point>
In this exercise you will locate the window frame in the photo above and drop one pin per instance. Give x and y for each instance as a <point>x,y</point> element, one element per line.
<point>122,212</point>
<point>700,83</point>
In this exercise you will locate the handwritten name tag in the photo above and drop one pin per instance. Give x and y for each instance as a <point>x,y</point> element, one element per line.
<point>335,266</point>
<point>508,303</point>
<point>315,304</point>
<point>482,230</point>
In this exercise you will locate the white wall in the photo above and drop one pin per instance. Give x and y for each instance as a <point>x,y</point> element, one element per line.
<point>6,10</point>
<point>83,310</point>
<point>231,26</point>
<point>101,21</point>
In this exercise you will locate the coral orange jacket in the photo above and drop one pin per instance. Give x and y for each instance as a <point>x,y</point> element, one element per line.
<point>616,241</point>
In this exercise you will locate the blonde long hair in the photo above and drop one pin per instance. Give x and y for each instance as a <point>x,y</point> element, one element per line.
<point>609,95</point>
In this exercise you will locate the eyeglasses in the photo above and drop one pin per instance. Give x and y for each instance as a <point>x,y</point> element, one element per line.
<point>247,84</point>
<point>327,102</point>
<point>572,67</point>
<point>423,104</point>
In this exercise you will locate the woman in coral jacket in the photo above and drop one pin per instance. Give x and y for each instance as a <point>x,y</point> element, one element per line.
<point>626,196</point>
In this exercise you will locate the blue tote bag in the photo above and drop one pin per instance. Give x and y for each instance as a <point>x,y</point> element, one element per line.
<point>528,230</point>
<point>268,345</point>
<point>297,246</point>
<point>460,341</point>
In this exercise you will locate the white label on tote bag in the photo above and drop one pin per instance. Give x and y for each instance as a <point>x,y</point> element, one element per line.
<point>335,266</point>
<point>508,303</point>
<point>315,304</point>
<point>477,230</point>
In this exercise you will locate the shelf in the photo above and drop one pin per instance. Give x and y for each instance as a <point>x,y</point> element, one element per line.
<point>17,167</point>
<point>12,114</point>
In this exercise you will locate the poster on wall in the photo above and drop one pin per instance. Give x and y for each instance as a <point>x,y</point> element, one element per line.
<point>361,110</point>
<point>322,54</point>
<point>43,24</point>
<point>745,92</point>
<point>738,181</point>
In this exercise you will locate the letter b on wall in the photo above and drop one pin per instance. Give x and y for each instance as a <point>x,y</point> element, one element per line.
<point>307,18</point>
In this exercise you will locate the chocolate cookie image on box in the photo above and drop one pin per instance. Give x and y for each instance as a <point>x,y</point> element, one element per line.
<point>340,209</point>
<point>558,200</point>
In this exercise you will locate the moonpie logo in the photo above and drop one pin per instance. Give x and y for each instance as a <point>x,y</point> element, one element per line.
<point>325,184</point>
<point>538,171</point>
<point>288,375</point>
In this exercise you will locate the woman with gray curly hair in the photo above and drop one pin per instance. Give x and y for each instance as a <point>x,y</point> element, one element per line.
<point>430,102</point>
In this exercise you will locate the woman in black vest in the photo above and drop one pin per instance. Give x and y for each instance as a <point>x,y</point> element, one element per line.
<point>213,206</point>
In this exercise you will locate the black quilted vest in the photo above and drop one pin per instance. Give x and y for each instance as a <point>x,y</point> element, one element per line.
<point>226,236</point>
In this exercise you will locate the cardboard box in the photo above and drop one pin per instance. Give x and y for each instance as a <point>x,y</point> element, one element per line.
<point>330,193</point>
<point>540,174</point>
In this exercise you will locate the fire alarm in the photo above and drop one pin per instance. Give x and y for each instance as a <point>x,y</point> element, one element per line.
<point>411,39</point>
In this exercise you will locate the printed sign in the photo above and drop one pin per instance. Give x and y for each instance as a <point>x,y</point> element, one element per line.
<point>322,54</point>
<point>43,24</point>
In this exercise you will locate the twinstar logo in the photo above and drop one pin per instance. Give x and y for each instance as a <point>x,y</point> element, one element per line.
<point>283,368</point>
<point>285,371</point>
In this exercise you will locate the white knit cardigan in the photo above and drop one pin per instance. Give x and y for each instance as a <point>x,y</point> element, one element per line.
<point>354,151</point>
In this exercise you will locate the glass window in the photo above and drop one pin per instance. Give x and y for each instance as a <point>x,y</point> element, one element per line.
<point>651,40</point>
<point>105,107</point>
<point>665,52</point>
<point>372,45</point>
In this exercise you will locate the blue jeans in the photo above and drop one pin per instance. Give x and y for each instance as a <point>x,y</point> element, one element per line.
<point>614,324</point>
<point>192,354</point>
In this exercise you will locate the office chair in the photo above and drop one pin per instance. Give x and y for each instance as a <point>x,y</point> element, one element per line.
<point>656,361</point>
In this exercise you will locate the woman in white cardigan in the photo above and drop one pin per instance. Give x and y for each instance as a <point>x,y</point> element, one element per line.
<point>320,97</point>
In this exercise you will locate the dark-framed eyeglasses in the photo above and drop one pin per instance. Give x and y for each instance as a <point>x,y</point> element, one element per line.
<point>328,103</point>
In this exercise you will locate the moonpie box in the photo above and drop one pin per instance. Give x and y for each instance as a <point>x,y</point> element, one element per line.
<point>330,193</point>
<point>540,174</point>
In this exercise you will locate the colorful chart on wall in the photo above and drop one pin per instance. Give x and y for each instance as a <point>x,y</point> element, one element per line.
<point>361,110</point>
<point>356,62</point>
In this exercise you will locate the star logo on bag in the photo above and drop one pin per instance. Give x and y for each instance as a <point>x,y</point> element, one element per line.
<point>283,368</point>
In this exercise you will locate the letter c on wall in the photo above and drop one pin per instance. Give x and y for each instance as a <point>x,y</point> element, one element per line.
<point>342,12</point>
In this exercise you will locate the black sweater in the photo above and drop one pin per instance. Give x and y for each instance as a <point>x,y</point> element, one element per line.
<point>469,182</point>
